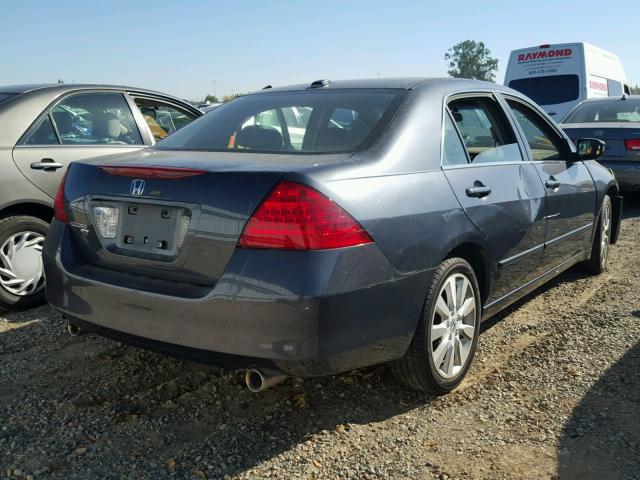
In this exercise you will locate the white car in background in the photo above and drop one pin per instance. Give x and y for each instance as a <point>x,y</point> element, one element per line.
<point>558,77</point>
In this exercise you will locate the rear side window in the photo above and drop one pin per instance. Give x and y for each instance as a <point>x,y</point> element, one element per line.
<point>543,142</point>
<point>311,121</point>
<point>42,134</point>
<point>605,111</point>
<point>549,90</point>
<point>95,119</point>
<point>485,130</point>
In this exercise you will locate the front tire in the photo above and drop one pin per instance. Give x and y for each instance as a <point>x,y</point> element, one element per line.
<point>21,273</point>
<point>597,264</point>
<point>445,340</point>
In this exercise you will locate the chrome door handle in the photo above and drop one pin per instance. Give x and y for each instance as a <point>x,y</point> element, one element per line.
<point>552,183</point>
<point>46,164</point>
<point>478,190</point>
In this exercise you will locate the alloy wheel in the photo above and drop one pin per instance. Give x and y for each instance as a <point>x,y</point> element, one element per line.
<point>21,272</point>
<point>453,325</point>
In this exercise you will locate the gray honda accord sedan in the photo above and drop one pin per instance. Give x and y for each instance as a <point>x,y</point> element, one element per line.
<point>42,129</point>
<point>318,228</point>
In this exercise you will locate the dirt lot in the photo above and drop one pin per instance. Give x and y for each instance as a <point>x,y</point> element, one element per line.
<point>554,392</point>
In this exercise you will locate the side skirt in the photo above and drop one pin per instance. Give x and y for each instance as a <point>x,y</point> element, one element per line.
<point>511,297</point>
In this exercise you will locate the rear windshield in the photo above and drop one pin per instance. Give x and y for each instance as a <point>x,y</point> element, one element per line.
<point>312,121</point>
<point>549,90</point>
<point>6,96</point>
<point>605,111</point>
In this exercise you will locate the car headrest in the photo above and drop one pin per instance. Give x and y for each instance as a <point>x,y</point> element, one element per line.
<point>256,137</point>
<point>106,126</point>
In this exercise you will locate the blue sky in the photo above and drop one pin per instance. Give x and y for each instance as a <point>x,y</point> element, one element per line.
<point>182,47</point>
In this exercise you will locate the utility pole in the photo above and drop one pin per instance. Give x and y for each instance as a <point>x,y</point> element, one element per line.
<point>214,89</point>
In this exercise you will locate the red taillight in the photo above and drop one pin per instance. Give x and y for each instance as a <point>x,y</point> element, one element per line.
<point>164,173</point>
<point>60,213</point>
<point>632,144</point>
<point>298,217</point>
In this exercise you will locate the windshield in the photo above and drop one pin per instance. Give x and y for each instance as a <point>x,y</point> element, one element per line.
<point>310,121</point>
<point>6,96</point>
<point>549,90</point>
<point>605,111</point>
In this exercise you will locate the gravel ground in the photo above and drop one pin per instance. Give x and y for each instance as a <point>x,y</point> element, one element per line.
<point>554,393</point>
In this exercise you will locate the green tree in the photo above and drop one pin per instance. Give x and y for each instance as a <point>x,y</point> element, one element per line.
<point>211,99</point>
<point>635,90</point>
<point>228,98</point>
<point>471,59</point>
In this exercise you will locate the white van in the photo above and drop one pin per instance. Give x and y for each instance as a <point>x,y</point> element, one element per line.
<point>558,77</point>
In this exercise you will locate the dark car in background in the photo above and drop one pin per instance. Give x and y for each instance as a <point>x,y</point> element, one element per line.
<point>616,121</point>
<point>42,129</point>
<point>402,214</point>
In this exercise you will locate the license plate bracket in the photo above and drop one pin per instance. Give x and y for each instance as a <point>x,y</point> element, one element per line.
<point>150,228</point>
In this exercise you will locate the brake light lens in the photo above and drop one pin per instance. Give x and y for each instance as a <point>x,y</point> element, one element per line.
<point>60,213</point>
<point>633,144</point>
<point>297,217</point>
<point>163,173</point>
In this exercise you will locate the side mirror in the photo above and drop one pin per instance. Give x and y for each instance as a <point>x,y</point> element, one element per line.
<point>589,149</point>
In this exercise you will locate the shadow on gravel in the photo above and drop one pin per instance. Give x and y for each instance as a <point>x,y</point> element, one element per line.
<point>100,409</point>
<point>575,273</point>
<point>631,208</point>
<point>602,437</point>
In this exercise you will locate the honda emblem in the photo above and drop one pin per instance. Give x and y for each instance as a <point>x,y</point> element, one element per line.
<point>137,187</point>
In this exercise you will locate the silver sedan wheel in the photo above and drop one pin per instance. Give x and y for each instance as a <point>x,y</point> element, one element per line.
<point>21,264</point>
<point>453,325</point>
<point>605,233</point>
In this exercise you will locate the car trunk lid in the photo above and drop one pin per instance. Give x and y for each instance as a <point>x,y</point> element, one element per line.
<point>179,215</point>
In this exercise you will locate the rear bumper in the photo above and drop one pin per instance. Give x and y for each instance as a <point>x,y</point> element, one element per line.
<point>310,313</point>
<point>627,173</point>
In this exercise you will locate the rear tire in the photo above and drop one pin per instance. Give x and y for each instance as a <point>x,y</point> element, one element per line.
<point>445,340</point>
<point>21,239</point>
<point>601,240</point>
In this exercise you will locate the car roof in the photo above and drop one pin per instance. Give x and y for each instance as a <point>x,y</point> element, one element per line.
<point>406,83</point>
<point>68,87</point>
<point>612,99</point>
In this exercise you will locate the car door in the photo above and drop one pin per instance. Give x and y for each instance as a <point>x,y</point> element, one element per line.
<point>500,192</point>
<point>80,125</point>
<point>570,191</point>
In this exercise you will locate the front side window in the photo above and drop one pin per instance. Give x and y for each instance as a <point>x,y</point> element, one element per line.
<point>327,121</point>
<point>95,119</point>
<point>549,90</point>
<point>43,133</point>
<point>486,133</point>
<point>543,142</point>
<point>617,110</point>
<point>163,119</point>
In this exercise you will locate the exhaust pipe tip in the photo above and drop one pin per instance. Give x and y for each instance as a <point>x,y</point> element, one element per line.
<point>259,380</point>
<point>74,330</point>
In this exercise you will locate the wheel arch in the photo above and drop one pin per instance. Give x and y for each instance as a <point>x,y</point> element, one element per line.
<point>36,209</point>
<point>479,260</point>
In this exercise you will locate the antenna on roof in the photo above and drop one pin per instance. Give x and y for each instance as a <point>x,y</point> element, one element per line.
<point>320,83</point>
